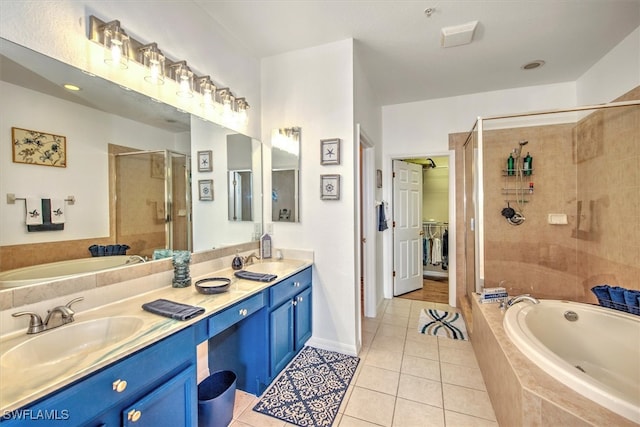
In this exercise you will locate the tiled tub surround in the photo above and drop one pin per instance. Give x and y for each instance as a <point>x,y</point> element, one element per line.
<point>125,298</point>
<point>521,393</point>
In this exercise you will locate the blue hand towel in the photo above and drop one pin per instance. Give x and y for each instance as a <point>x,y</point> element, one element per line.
<point>602,293</point>
<point>258,277</point>
<point>174,310</point>
<point>382,218</point>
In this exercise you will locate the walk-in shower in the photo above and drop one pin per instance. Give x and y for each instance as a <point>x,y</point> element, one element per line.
<point>574,236</point>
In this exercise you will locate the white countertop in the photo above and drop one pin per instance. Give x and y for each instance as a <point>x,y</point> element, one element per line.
<point>25,385</point>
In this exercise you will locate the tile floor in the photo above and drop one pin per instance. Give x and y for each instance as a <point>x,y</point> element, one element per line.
<point>404,379</point>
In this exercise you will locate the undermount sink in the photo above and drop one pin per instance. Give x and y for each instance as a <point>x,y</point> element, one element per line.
<point>67,344</point>
<point>272,267</point>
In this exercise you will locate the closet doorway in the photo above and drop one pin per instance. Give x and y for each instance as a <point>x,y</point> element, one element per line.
<point>435,229</point>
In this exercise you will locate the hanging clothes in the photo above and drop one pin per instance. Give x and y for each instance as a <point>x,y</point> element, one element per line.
<point>436,252</point>
<point>445,250</point>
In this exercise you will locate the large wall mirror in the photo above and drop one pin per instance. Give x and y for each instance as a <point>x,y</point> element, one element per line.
<point>285,174</point>
<point>116,140</point>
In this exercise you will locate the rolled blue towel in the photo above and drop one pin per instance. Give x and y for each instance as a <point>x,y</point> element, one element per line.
<point>259,277</point>
<point>602,293</point>
<point>617,294</point>
<point>174,310</point>
<point>631,297</point>
<point>631,300</point>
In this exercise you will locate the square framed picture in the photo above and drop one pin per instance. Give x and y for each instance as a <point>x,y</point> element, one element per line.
<point>330,187</point>
<point>205,159</point>
<point>205,189</point>
<point>330,151</point>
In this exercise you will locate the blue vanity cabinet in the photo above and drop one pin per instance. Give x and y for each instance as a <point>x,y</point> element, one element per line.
<point>158,381</point>
<point>289,319</point>
<point>238,342</point>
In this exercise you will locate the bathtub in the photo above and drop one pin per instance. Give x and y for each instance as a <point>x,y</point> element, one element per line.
<point>61,269</point>
<point>593,350</point>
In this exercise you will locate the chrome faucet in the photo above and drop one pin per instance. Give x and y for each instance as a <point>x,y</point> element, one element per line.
<point>135,259</point>
<point>36,325</point>
<point>515,300</point>
<point>248,260</point>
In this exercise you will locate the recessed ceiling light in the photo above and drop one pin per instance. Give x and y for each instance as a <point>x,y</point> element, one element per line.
<point>533,65</point>
<point>69,86</point>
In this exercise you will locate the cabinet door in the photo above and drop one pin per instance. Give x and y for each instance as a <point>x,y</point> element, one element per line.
<point>281,343</point>
<point>174,404</point>
<point>302,322</point>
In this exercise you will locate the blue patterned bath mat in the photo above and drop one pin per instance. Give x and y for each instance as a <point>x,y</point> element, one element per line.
<point>309,391</point>
<point>442,324</point>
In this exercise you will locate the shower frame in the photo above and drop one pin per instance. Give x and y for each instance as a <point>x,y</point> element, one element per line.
<point>475,227</point>
<point>169,196</point>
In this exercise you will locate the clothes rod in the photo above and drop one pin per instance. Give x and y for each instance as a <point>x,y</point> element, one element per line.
<point>11,199</point>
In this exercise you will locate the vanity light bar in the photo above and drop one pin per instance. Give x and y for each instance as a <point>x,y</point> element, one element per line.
<point>152,58</point>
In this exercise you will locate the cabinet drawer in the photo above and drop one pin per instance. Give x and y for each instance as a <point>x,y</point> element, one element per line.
<point>93,394</point>
<point>221,321</point>
<point>289,287</point>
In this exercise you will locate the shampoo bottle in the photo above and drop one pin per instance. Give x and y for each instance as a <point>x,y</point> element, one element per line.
<point>510,165</point>
<point>527,164</point>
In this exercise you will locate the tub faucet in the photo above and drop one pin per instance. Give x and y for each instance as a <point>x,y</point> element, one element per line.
<point>135,259</point>
<point>520,298</point>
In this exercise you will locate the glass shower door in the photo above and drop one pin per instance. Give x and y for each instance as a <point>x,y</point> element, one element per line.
<point>153,206</point>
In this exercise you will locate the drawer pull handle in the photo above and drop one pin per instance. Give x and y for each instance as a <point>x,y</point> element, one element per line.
<point>296,284</point>
<point>300,299</point>
<point>119,385</point>
<point>134,415</point>
<point>294,302</point>
<point>243,312</point>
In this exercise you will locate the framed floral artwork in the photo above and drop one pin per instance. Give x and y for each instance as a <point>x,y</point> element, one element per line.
<point>38,148</point>
<point>205,189</point>
<point>330,187</point>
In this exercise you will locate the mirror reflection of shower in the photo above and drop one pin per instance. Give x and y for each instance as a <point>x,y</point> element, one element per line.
<point>153,201</point>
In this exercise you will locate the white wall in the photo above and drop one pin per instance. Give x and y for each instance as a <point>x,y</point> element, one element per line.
<point>313,89</point>
<point>88,134</point>
<point>181,28</point>
<point>615,74</point>
<point>368,114</point>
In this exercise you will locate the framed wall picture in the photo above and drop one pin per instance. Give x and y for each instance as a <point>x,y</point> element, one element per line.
<point>378,178</point>
<point>205,161</point>
<point>205,189</point>
<point>157,166</point>
<point>38,148</point>
<point>330,151</point>
<point>330,187</point>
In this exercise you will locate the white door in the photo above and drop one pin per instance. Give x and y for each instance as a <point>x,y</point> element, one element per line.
<point>407,232</point>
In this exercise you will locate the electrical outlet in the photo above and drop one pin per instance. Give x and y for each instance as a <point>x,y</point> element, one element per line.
<point>270,228</point>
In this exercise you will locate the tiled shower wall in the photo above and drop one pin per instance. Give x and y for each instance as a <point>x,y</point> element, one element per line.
<point>589,171</point>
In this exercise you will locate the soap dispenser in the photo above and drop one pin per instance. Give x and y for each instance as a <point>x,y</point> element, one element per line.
<point>237,263</point>
<point>265,246</point>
